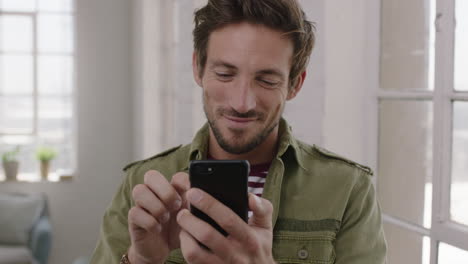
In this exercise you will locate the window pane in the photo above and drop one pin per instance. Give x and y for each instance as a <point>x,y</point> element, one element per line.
<point>16,115</point>
<point>26,159</point>
<point>16,74</point>
<point>55,33</point>
<point>459,188</point>
<point>451,255</point>
<point>409,64</point>
<point>55,130</point>
<point>461,42</point>
<point>29,169</point>
<point>55,115</point>
<point>55,5</point>
<point>18,5</point>
<point>405,246</point>
<point>55,75</point>
<point>16,33</point>
<point>405,160</point>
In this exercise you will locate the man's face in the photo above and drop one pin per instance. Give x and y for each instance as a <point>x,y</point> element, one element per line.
<point>245,84</point>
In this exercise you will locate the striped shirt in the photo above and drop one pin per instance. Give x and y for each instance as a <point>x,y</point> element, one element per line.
<point>257,177</point>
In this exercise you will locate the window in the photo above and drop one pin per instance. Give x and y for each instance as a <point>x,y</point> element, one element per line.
<point>423,130</point>
<point>36,83</point>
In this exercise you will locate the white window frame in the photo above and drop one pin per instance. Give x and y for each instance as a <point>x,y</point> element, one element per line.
<point>35,93</point>
<point>34,54</point>
<point>442,229</point>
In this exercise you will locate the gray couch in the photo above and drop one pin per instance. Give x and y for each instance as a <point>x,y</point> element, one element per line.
<point>82,260</point>
<point>25,229</point>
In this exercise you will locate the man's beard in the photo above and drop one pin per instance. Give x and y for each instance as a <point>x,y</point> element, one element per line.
<point>240,148</point>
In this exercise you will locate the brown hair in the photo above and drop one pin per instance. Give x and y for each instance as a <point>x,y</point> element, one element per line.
<point>283,15</point>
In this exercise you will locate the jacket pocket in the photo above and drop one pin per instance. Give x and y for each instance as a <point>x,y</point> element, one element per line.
<point>304,247</point>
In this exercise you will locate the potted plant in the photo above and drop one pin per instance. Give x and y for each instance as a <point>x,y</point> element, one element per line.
<point>10,163</point>
<point>45,155</point>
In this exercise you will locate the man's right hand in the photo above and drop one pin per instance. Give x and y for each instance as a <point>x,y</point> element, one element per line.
<point>153,228</point>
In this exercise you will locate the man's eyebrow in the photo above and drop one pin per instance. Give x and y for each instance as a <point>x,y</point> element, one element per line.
<point>220,63</point>
<point>271,71</point>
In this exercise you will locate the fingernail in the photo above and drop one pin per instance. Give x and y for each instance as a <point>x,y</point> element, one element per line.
<point>179,215</point>
<point>258,202</point>
<point>195,196</point>
<point>158,228</point>
<point>176,205</point>
<point>165,218</point>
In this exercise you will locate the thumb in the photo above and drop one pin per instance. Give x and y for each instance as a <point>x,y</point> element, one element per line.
<point>262,210</point>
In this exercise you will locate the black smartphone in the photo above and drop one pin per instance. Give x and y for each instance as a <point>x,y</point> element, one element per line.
<point>226,181</point>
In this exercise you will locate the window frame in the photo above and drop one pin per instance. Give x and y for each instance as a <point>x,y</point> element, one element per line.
<point>35,54</point>
<point>442,229</point>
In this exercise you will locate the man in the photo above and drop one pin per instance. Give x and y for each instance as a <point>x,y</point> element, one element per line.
<point>315,207</point>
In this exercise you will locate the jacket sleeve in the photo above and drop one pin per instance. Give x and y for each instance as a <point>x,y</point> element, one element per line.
<point>361,237</point>
<point>114,238</point>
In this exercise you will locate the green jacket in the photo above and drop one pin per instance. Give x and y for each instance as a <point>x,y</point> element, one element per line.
<point>325,207</point>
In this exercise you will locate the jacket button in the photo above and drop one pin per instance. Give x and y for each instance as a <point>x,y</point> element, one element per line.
<point>302,254</point>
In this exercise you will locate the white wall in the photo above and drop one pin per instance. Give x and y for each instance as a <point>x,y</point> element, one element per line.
<point>305,112</point>
<point>105,129</point>
<point>146,52</point>
<point>351,32</point>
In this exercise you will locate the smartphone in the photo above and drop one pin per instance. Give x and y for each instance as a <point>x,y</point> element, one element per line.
<point>226,181</point>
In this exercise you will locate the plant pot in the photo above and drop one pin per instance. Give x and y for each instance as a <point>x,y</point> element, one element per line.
<point>11,169</point>
<point>45,165</point>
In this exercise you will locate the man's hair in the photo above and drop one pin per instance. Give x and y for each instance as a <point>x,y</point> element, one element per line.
<point>282,15</point>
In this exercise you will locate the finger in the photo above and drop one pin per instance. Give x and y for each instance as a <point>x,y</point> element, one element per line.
<point>146,199</point>
<point>163,189</point>
<point>140,219</point>
<point>204,233</point>
<point>181,182</point>
<point>192,251</point>
<point>220,213</point>
<point>262,210</point>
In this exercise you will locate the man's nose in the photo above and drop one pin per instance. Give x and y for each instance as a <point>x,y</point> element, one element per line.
<point>242,97</point>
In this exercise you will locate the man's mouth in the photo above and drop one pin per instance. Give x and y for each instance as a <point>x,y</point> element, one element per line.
<point>239,122</point>
<point>240,119</point>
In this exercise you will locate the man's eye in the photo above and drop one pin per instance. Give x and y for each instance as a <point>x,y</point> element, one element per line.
<point>269,83</point>
<point>223,75</point>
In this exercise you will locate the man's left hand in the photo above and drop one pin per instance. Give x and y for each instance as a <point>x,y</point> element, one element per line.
<point>246,243</point>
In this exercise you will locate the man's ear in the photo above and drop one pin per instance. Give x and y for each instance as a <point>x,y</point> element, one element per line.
<point>293,91</point>
<point>195,69</point>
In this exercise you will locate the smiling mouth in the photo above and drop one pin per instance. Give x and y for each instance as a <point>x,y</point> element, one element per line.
<point>240,119</point>
<point>239,123</point>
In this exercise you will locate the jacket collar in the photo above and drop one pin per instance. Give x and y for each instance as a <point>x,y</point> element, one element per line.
<point>199,146</point>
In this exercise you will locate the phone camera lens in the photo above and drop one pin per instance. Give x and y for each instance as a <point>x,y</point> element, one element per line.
<point>204,169</point>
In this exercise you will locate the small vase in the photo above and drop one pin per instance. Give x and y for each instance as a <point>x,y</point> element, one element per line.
<point>11,169</point>
<point>45,169</point>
